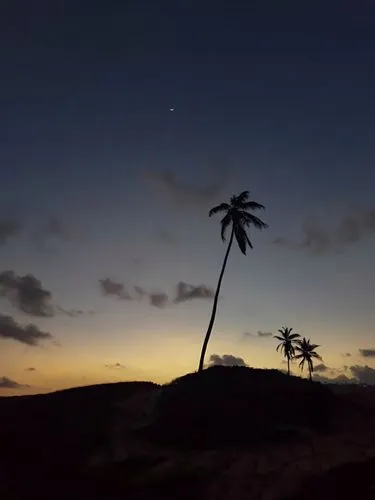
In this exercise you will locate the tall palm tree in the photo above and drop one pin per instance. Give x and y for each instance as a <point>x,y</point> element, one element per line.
<point>287,342</point>
<point>238,216</point>
<point>307,354</point>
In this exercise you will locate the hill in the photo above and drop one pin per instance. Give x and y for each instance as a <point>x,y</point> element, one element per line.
<point>226,433</point>
<point>239,406</point>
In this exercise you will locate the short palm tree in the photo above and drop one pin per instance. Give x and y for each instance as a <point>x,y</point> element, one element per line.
<point>307,354</point>
<point>287,343</point>
<point>238,216</point>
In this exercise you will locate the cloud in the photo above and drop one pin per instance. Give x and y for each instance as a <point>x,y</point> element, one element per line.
<point>53,230</point>
<point>367,353</point>
<point>7,383</point>
<point>72,313</point>
<point>355,225</point>
<point>110,287</point>
<point>364,374</point>
<point>140,292</point>
<point>26,293</point>
<point>9,227</point>
<point>182,193</point>
<point>346,354</point>
<point>226,360</point>
<point>29,334</point>
<point>116,366</point>
<point>321,368</point>
<point>31,369</point>
<point>340,379</point>
<point>185,292</point>
<point>259,333</point>
<point>158,299</point>
<point>360,375</point>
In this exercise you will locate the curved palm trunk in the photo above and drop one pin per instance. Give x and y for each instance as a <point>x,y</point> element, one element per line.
<point>288,365</point>
<point>214,308</point>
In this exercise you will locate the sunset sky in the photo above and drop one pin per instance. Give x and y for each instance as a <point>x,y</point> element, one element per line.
<point>122,124</point>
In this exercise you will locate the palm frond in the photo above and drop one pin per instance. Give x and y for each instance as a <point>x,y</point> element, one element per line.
<point>250,219</point>
<point>293,336</point>
<point>248,241</point>
<point>241,236</point>
<point>301,364</point>
<point>283,330</point>
<point>219,208</point>
<point>312,347</point>
<point>225,221</point>
<point>239,200</point>
<point>316,356</point>
<point>279,338</point>
<point>252,205</point>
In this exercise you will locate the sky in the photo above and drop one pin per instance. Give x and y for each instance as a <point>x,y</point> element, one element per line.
<point>122,124</point>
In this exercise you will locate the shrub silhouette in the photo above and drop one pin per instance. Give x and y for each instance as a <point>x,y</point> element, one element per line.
<point>237,406</point>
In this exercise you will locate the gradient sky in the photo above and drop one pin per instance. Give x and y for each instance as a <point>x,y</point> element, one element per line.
<point>101,180</point>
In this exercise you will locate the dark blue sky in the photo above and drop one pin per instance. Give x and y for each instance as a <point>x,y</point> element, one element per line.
<point>275,97</point>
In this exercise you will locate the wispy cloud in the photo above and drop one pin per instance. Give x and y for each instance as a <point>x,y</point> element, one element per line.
<point>7,383</point>
<point>115,366</point>
<point>359,375</point>
<point>9,227</point>
<point>73,313</point>
<point>367,353</point>
<point>116,289</point>
<point>29,334</point>
<point>226,360</point>
<point>321,368</point>
<point>158,299</point>
<point>355,225</point>
<point>364,374</point>
<point>339,379</point>
<point>259,333</point>
<point>26,293</point>
<point>30,369</point>
<point>184,193</point>
<point>54,230</point>
<point>185,292</point>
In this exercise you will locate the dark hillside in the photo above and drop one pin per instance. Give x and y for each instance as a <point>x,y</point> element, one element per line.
<point>53,433</point>
<point>238,406</point>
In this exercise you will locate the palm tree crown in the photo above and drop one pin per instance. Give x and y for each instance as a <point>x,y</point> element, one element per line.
<point>287,342</point>
<point>307,354</point>
<point>237,214</point>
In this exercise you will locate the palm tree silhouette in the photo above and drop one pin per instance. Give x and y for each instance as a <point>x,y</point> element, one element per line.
<point>287,342</point>
<point>307,354</point>
<point>238,216</point>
